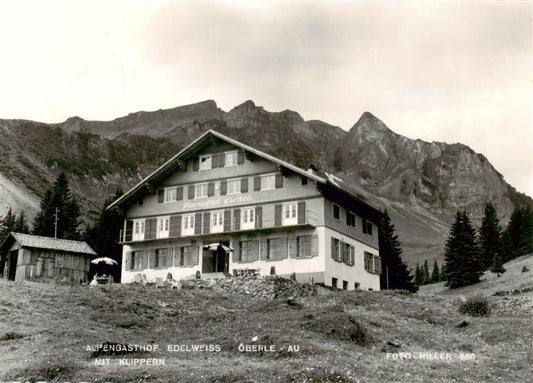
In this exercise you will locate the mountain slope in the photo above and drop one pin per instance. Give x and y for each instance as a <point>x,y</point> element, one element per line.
<point>420,183</point>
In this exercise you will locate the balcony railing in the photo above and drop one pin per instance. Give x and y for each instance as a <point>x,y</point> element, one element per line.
<point>267,225</point>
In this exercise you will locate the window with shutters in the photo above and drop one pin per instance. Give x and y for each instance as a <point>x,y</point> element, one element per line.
<point>200,190</point>
<point>336,211</point>
<point>350,219</point>
<point>268,182</point>
<point>377,264</point>
<point>162,258</point>
<point>303,246</point>
<point>187,256</point>
<point>205,162</point>
<point>289,214</point>
<point>234,186</point>
<point>138,230</point>
<point>335,249</point>
<point>139,259</point>
<point>230,159</point>
<point>217,222</point>
<point>171,194</point>
<point>276,249</point>
<point>369,262</point>
<point>247,252</point>
<point>187,225</point>
<point>247,218</point>
<point>162,227</point>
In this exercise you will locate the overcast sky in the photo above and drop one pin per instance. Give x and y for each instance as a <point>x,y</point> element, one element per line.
<point>438,71</point>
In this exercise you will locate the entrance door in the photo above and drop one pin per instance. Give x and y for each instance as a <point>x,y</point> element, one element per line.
<point>216,261</point>
<point>13,255</point>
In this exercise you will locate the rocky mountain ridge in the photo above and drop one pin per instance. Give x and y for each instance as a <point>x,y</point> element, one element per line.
<point>420,183</point>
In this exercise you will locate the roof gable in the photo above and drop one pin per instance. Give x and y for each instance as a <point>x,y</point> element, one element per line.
<point>203,143</point>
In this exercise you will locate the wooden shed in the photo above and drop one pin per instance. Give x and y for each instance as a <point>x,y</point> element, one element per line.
<point>31,257</point>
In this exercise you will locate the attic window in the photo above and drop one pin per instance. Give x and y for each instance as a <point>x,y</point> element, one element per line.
<point>205,162</point>
<point>230,159</point>
<point>304,181</point>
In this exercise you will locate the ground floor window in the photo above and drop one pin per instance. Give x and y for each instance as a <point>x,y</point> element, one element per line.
<point>372,263</point>
<point>334,282</point>
<point>186,256</point>
<point>303,246</point>
<point>162,258</point>
<point>248,251</point>
<point>277,249</point>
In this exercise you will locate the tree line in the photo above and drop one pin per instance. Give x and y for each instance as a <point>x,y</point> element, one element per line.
<point>468,252</point>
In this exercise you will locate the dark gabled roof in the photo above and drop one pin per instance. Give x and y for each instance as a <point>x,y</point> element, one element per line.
<point>328,180</point>
<point>35,241</point>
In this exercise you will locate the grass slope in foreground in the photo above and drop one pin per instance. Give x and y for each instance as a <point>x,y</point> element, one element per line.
<point>342,336</point>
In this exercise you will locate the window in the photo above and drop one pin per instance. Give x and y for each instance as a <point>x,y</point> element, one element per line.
<point>200,190</point>
<point>187,225</point>
<point>234,186</point>
<point>367,227</point>
<point>163,227</point>
<point>138,230</point>
<point>187,256</point>
<point>334,282</point>
<point>139,260</point>
<point>205,162</point>
<point>248,252</point>
<point>377,264</point>
<point>277,249</point>
<point>342,252</point>
<point>268,182</point>
<point>161,258</point>
<point>350,219</point>
<point>345,285</point>
<point>372,263</point>
<point>336,211</point>
<point>335,249</point>
<point>230,159</point>
<point>247,218</point>
<point>303,244</point>
<point>304,181</point>
<point>289,214</point>
<point>217,222</point>
<point>171,194</point>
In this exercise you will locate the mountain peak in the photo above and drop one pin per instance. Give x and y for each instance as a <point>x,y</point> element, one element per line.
<point>368,123</point>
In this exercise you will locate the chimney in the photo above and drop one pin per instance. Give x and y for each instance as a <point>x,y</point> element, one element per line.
<point>311,169</point>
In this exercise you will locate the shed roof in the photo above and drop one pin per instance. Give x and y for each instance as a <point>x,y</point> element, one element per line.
<point>36,241</point>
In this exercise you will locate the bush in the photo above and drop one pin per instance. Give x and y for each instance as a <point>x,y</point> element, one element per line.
<point>476,307</point>
<point>10,336</point>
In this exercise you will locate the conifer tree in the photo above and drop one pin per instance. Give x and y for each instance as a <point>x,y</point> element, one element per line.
<point>11,222</point>
<point>489,238</point>
<point>443,275</point>
<point>419,277</point>
<point>425,270</point>
<point>497,265</point>
<point>395,274</point>
<point>461,257</point>
<point>435,274</point>
<point>518,237</point>
<point>58,199</point>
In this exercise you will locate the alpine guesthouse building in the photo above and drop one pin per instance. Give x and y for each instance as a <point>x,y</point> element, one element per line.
<point>270,216</point>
